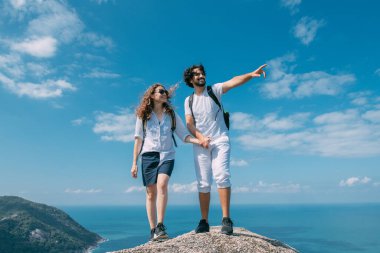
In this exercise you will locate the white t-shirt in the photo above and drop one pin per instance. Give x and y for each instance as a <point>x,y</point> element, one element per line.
<point>208,116</point>
<point>159,135</point>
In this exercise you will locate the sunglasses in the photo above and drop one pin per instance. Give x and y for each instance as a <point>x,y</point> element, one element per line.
<point>197,74</point>
<point>162,92</point>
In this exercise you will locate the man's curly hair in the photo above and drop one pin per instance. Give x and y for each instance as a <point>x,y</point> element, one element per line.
<point>188,74</point>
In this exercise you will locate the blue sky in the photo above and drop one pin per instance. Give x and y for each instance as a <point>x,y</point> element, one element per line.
<point>72,73</point>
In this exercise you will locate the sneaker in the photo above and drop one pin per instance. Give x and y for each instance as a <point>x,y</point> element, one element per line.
<point>152,234</point>
<point>227,226</point>
<point>160,232</point>
<point>203,227</point>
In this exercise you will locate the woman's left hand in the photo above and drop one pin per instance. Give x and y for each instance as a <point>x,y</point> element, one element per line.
<point>134,171</point>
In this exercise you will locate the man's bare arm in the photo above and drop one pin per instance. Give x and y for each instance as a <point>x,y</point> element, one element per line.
<point>242,79</point>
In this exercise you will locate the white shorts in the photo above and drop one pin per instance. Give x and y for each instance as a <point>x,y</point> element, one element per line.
<point>213,162</point>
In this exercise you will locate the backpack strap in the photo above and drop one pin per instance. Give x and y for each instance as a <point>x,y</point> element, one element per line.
<point>191,99</point>
<point>174,125</point>
<point>144,133</point>
<point>215,99</point>
<point>226,115</point>
<point>213,96</point>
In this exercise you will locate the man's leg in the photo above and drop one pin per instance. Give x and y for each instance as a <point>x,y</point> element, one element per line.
<point>221,172</point>
<point>225,196</point>
<point>204,203</point>
<point>202,161</point>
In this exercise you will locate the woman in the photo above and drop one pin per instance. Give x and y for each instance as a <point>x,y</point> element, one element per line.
<point>155,124</point>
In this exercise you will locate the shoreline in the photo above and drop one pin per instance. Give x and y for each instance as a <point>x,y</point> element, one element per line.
<point>94,247</point>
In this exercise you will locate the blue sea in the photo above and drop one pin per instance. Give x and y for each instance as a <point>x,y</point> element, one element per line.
<point>308,228</point>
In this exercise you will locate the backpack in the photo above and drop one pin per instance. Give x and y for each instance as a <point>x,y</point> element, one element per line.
<point>174,125</point>
<point>226,115</point>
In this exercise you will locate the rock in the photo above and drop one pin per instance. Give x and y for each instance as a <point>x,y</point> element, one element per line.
<point>214,242</point>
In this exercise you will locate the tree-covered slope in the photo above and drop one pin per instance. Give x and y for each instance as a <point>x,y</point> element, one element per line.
<point>26,226</point>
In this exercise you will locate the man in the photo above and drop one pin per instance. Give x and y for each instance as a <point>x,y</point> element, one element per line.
<point>205,120</point>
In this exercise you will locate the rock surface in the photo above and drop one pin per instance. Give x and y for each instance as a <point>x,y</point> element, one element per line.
<point>214,242</point>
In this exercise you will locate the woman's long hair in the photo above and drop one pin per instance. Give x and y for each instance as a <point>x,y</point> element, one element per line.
<point>144,110</point>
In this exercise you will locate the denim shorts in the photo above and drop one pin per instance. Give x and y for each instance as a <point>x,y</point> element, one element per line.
<point>151,167</point>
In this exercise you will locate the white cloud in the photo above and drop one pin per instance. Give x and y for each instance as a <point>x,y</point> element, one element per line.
<point>40,28</point>
<point>277,188</point>
<point>115,127</point>
<point>48,89</point>
<point>101,1</point>
<point>372,115</point>
<point>43,47</point>
<point>352,181</point>
<point>319,82</point>
<point>80,121</point>
<point>245,121</point>
<point>97,40</point>
<point>135,189</point>
<point>241,189</point>
<point>11,64</point>
<point>349,133</point>
<point>56,20</point>
<point>174,188</point>
<point>362,98</point>
<point>283,83</point>
<point>81,191</point>
<point>241,121</point>
<point>337,117</point>
<point>292,5</point>
<point>271,121</point>
<point>184,188</point>
<point>359,101</point>
<point>17,3</point>
<point>263,187</point>
<point>306,29</point>
<point>7,82</point>
<point>377,72</point>
<point>37,69</point>
<point>238,162</point>
<point>101,74</point>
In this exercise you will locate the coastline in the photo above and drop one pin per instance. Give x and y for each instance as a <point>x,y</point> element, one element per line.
<point>94,247</point>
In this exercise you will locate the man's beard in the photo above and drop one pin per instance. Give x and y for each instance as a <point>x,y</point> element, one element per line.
<point>200,84</point>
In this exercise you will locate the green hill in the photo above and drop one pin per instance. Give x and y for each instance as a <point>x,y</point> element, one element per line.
<point>26,226</point>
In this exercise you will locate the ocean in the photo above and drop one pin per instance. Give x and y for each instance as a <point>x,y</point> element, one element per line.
<point>308,228</point>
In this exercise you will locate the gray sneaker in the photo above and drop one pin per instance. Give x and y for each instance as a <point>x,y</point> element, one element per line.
<point>160,232</point>
<point>203,227</point>
<point>227,226</point>
<point>152,234</point>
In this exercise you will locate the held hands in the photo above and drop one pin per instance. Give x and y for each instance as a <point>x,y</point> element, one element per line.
<point>205,142</point>
<point>260,71</point>
<point>134,171</point>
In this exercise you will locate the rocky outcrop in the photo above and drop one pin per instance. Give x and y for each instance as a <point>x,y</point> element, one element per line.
<point>214,242</point>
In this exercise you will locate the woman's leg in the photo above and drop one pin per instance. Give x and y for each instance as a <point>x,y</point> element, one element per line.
<point>162,196</point>
<point>151,196</point>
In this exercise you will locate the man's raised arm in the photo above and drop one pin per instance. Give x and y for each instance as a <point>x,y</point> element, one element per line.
<point>239,80</point>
